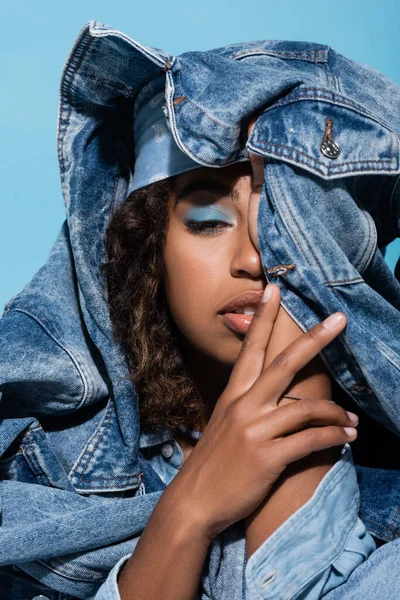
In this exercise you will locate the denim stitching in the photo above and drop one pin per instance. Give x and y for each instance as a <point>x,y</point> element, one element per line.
<point>276,177</point>
<point>344,281</point>
<point>313,56</point>
<point>79,367</point>
<point>313,160</point>
<point>32,459</point>
<point>106,419</point>
<point>67,571</point>
<point>392,528</point>
<point>66,90</point>
<point>384,527</point>
<point>308,515</point>
<point>384,530</point>
<point>153,57</point>
<point>343,341</point>
<point>327,96</point>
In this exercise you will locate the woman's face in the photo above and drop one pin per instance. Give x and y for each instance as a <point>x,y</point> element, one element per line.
<point>209,258</point>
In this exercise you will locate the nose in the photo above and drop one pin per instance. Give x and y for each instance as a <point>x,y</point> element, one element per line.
<point>246,259</point>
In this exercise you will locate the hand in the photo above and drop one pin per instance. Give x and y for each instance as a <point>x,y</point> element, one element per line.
<point>250,439</point>
<point>257,162</point>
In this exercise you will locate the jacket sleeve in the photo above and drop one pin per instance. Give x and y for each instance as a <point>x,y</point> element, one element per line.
<point>109,589</point>
<point>314,552</point>
<point>318,547</point>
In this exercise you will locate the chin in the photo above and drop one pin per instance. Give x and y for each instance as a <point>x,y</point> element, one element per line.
<point>228,350</point>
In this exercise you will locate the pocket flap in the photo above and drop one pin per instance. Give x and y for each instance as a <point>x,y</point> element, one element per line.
<point>326,134</point>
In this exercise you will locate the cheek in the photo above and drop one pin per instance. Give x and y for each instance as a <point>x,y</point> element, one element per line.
<point>194,279</point>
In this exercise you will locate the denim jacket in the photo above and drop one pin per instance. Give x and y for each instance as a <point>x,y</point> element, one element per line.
<point>78,478</point>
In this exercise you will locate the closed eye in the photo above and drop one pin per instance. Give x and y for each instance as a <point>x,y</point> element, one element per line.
<point>209,227</point>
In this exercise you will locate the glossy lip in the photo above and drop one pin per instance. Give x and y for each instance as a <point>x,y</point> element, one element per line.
<point>250,298</point>
<point>237,322</point>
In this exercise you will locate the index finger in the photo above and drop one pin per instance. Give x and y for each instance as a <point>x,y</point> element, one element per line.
<point>251,359</point>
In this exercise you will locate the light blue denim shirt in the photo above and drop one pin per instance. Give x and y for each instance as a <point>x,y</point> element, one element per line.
<point>75,489</point>
<point>312,553</point>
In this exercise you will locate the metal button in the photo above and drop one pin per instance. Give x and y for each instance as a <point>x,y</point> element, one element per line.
<point>167,450</point>
<point>41,597</point>
<point>330,149</point>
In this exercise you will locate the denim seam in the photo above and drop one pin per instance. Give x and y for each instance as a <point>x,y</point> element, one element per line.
<point>99,433</point>
<point>275,177</point>
<point>387,352</point>
<point>319,495</point>
<point>308,515</point>
<point>326,95</point>
<point>96,438</point>
<point>314,56</point>
<point>392,526</point>
<point>68,571</point>
<point>339,552</point>
<point>344,282</point>
<point>387,531</point>
<point>326,70</point>
<point>71,68</point>
<point>271,178</point>
<point>377,534</point>
<point>79,367</point>
<point>29,453</point>
<point>99,32</point>
<point>314,162</point>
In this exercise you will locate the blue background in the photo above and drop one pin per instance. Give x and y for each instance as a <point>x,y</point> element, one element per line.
<point>35,41</point>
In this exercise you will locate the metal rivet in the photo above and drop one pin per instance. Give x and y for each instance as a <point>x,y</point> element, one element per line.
<point>167,450</point>
<point>41,597</point>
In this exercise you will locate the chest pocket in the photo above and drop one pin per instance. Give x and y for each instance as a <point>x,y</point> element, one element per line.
<point>327,134</point>
<point>29,458</point>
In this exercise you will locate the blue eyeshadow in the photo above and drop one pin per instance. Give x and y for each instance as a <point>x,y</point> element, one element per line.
<point>209,213</point>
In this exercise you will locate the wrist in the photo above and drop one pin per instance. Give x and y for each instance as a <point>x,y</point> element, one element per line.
<point>176,510</point>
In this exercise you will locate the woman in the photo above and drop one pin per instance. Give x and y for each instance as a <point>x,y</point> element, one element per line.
<point>70,410</point>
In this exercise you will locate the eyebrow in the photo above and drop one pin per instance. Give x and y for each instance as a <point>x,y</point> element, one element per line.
<point>213,186</point>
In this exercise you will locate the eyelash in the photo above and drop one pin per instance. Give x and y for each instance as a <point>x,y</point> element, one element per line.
<point>205,227</point>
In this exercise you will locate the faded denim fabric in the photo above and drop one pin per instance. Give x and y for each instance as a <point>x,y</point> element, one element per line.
<point>296,561</point>
<point>76,486</point>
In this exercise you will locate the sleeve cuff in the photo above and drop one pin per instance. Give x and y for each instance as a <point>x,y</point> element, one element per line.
<point>318,547</point>
<point>109,590</point>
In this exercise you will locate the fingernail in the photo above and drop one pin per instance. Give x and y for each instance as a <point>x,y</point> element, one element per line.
<point>351,431</point>
<point>333,321</point>
<point>352,416</point>
<point>267,294</point>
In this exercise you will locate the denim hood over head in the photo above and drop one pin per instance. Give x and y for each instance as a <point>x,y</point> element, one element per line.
<point>329,131</point>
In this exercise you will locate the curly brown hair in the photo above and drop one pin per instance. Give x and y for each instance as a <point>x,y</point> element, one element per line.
<point>140,316</point>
